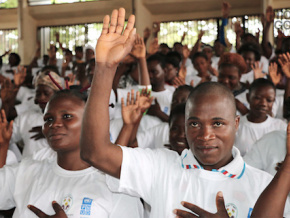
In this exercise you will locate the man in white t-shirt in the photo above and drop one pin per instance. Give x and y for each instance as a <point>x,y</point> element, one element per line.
<point>162,177</point>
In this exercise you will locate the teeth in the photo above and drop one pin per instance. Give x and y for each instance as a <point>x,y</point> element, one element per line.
<point>180,143</point>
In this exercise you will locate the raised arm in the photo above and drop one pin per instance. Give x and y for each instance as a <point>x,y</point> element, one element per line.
<point>5,136</point>
<point>112,47</point>
<point>272,201</point>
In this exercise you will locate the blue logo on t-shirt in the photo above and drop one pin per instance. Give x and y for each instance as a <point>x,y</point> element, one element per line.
<point>165,110</point>
<point>86,206</point>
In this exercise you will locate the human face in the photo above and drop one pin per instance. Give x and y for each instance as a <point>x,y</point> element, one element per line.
<point>156,73</point>
<point>179,97</point>
<point>177,137</point>
<point>249,57</point>
<point>211,125</point>
<point>62,123</point>
<point>42,95</point>
<point>170,72</point>
<point>208,52</point>
<point>261,101</point>
<point>218,49</point>
<point>230,77</point>
<point>201,65</point>
<point>89,54</point>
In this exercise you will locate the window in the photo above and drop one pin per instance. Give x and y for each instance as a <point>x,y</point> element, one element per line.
<point>70,36</point>
<point>8,3</point>
<point>282,21</point>
<point>8,41</point>
<point>49,2</point>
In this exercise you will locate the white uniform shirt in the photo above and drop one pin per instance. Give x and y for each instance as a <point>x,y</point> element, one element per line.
<point>155,137</point>
<point>82,193</point>
<point>11,158</point>
<point>249,132</point>
<point>268,151</point>
<point>21,127</point>
<point>164,179</point>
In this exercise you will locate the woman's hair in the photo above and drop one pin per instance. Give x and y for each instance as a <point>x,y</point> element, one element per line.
<point>177,110</point>
<point>233,59</point>
<point>74,91</point>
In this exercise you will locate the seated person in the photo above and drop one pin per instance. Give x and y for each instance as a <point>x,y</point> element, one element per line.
<point>161,177</point>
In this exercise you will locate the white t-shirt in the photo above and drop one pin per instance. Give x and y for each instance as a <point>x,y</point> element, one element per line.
<point>249,132</point>
<point>155,137</point>
<point>82,193</point>
<point>21,127</point>
<point>277,108</point>
<point>7,67</point>
<point>164,179</point>
<point>196,79</point>
<point>11,158</point>
<point>268,151</point>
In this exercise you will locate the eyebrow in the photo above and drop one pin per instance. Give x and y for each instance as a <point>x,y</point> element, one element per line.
<point>215,118</point>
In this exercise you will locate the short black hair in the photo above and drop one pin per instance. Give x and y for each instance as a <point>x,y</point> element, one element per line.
<point>50,68</point>
<point>177,110</point>
<point>183,88</point>
<point>174,54</point>
<point>17,58</point>
<point>79,48</point>
<point>157,57</point>
<point>261,82</point>
<point>251,47</point>
<point>74,91</point>
<point>198,55</point>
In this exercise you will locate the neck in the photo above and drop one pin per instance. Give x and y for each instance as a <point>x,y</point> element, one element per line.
<point>71,161</point>
<point>158,88</point>
<point>256,119</point>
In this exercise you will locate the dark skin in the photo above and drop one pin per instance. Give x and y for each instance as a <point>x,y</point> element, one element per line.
<point>249,57</point>
<point>157,76</point>
<point>230,77</point>
<point>177,137</point>
<point>261,101</point>
<point>211,125</point>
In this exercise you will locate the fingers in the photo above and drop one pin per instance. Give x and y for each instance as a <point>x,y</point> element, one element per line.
<point>132,96</point>
<point>183,214</point>
<point>106,21</point>
<point>130,40</point>
<point>113,23</point>
<point>122,103</point>
<point>3,116</point>
<point>121,20</point>
<point>220,203</point>
<point>36,211</point>
<point>195,209</point>
<point>130,25</point>
<point>57,208</point>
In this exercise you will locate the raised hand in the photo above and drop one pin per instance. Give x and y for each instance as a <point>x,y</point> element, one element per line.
<point>238,29</point>
<point>258,70</point>
<point>156,28</point>
<point>226,9</point>
<point>112,45</point>
<point>131,112</point>
<point>221,210</point>
<point>38,133</point>
<point>145,100</point>
<point>19,76</point>
<point>146,33</point>
<point>155,109</point>
<point>59,213</point>
<point>139,48</point>
<point>178,81</point>
<point>5,130</point>
<point>273,72</point>
<point>8,92</point>
<point>284,61</point>
<point>153,47</point>
<point>270,14</point>
<point>200,34</point>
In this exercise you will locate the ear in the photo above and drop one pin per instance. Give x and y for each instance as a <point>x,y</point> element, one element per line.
<point>237,122</point>
<point>248,97</point>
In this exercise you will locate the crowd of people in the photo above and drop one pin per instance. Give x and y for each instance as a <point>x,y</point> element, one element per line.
<point>126,131</point>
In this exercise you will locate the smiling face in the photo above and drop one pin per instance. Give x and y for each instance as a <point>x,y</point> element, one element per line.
<point>261,100</point>
<point>177,137</point>
<point>249,58</point>
<point>211,125</point>
<point>62,123</point>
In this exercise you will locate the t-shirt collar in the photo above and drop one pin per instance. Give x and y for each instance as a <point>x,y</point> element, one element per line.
<point>234,169</point>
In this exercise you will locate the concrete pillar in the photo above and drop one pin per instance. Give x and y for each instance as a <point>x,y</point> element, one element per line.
<point>27,30</point>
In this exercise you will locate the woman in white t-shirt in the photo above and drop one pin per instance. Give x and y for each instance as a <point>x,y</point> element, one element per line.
<point>257,122</point>
<point>79,189</point>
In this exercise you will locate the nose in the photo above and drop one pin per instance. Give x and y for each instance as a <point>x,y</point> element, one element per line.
<point>206,134</point>
<point>55,123</point>
<point>263,102</point>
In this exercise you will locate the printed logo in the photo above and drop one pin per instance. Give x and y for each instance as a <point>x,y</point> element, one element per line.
<point>67,203</point>
<point>165,110</point>
<point>86,206</point>
<point>232,210</point>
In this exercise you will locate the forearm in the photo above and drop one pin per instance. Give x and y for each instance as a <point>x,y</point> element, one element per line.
<point>265,41</point>
<point>143,72</point>
<point>125,135</point>
<point>272,201</point>
<point>96,148</point>
<point>3,154</point>
<point>162,116</point>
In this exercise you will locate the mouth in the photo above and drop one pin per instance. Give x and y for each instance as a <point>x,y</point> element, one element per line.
<point>207,149</point>
<point>56,136</point>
